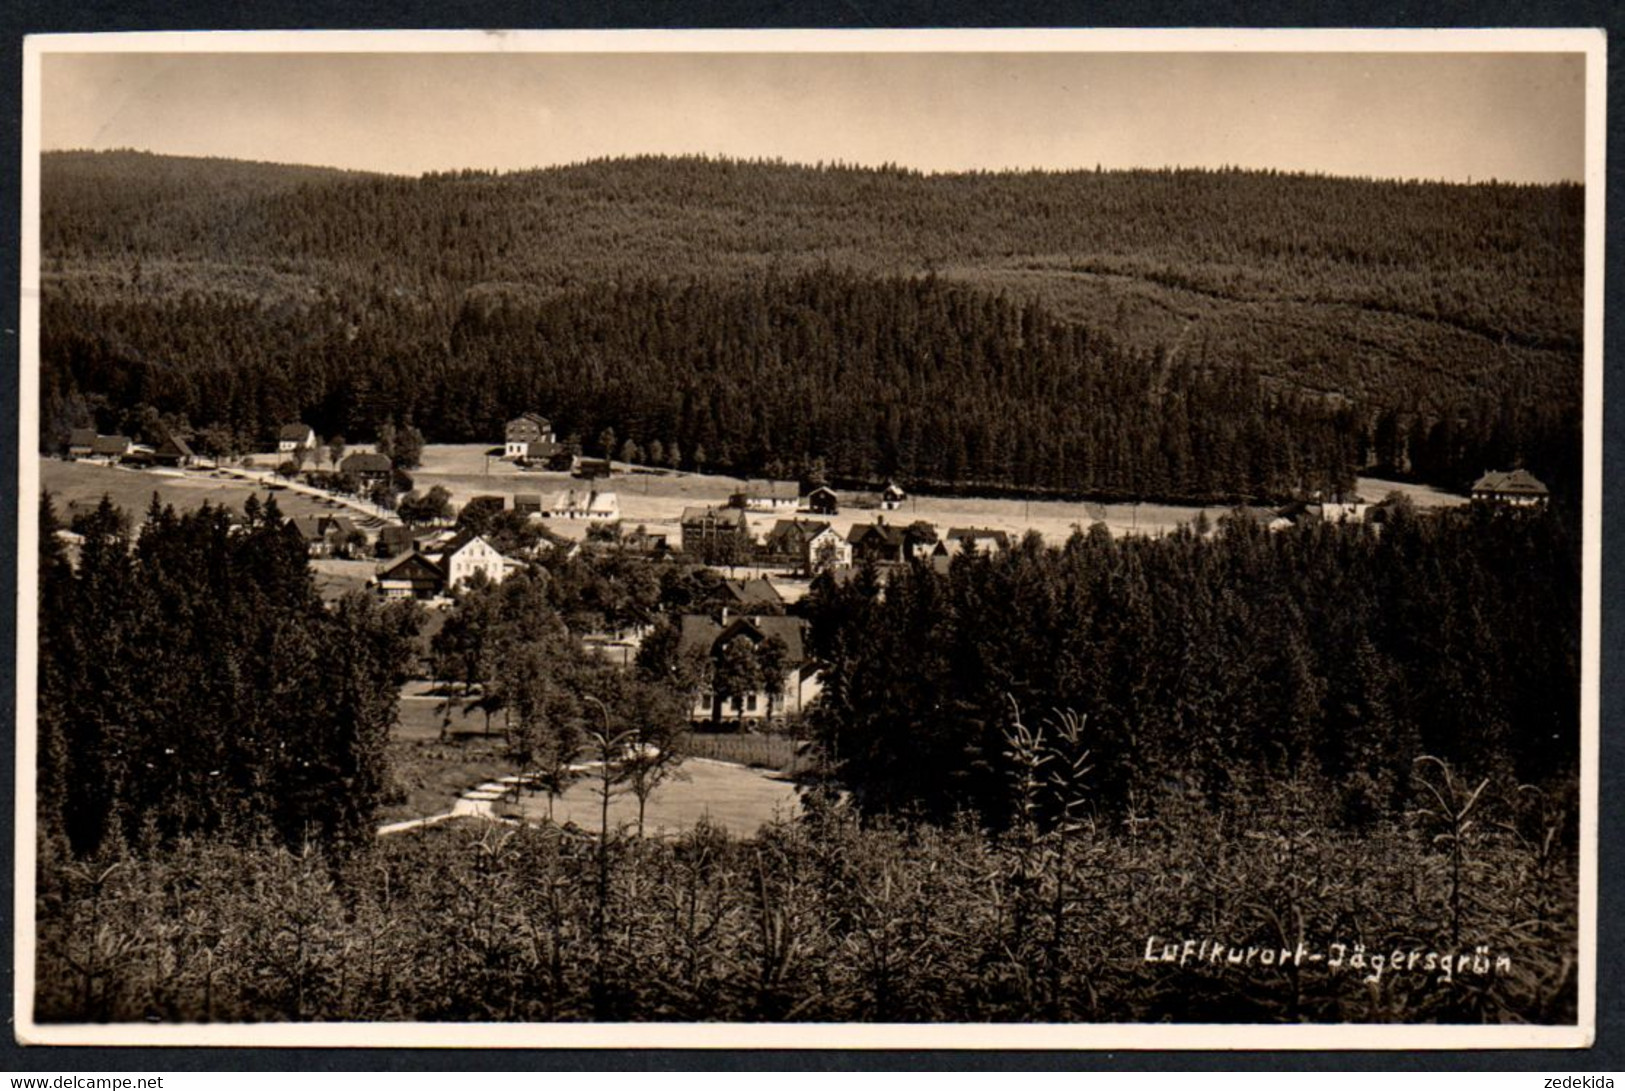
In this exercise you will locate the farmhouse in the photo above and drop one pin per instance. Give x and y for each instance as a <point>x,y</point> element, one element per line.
<point>295,437</point>
<point>759,494</point>
<point>1511,488</point>
<point>414,576</point>
<point>823,501</point>
<point>111,448</point>
<point>173,451</point>
<point>371,470</point>
<point>892,497</point>
<point>594,505</point>
<point>791,694</point>
<point>711,525</point>
<point>81,442</point>
<point>524,430</point>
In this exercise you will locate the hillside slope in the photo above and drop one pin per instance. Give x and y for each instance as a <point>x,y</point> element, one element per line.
<point>1431,302</point>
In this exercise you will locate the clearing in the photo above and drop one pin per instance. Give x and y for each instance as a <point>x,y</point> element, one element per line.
<point>734,797</point>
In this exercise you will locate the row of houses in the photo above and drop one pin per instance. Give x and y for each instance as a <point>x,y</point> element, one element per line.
<point>771,496</point>
<point>86,444</point>
<point>814,545</point>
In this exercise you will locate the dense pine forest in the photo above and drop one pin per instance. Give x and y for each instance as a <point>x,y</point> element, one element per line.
<point>1150,331</point>
<point>1032,768</point>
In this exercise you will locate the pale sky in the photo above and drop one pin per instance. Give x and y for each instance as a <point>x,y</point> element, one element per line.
<point>1454,116</point>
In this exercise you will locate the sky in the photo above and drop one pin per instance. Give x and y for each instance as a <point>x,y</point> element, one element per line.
<point>1453,116</point>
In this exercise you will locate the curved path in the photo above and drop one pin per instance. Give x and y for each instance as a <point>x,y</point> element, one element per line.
<point>735,797</point>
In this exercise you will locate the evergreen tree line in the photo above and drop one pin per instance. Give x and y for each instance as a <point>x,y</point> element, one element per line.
<point>914,378</point>
<point>191,682</point>
<point>1212,664</point>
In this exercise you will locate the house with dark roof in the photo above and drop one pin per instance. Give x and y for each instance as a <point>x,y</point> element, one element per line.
<point>528,504</point>
<point>524,430</point>
<point>878,543</point>
<point>368,468</point>
<point>750,595</point>
<point>173,451</point>
<point>823,501</point>
<point>395,539</point>
<point>1510,488</point>
<point>786,542</point>
<point>111,448</point>
<point>703,526</point>
<point>886,543</point>
<point>892,496</point>
<point>295,437</point>
<point>325,535</point>
<point>81,442</point>
<point>702,634</point>
<point>413,576</point>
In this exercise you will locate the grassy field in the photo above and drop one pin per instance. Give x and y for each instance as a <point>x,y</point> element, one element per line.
<point>734,797</point>
<point>78,485</point>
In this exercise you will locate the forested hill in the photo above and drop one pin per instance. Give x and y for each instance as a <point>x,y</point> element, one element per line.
<point>1440,305</point>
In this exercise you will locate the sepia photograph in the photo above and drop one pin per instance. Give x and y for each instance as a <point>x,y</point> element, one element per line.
<point>1051,539</point>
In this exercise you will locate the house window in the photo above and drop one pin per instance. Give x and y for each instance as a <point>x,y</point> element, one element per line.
<point>750,703</point>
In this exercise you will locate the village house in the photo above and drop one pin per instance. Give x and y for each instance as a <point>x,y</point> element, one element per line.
<point>81,443</point>
<point>544,455</point>
<point>749,596</point>
<point>706,526</point>
<point>826,551</point>
<point>786,542</point>
<point>111,449</point>
<point>795,691</point>
<point>395,539</point>
<point>524,430</point>
<point>369,470</point>
<point>1512,488</point>
<point>295,437</point>
<point>327,535</point>
<point>885,543</point>
<point>529,504</point>
<point>759,494</point>
<point>892,497</point>
<point>173,451</point>
<point>823,501</point>
<point>596,506</point>
<point>592,468</point>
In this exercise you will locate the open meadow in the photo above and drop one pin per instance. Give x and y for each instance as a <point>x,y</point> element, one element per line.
<point>77,486</point>
<point>732,797</point>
